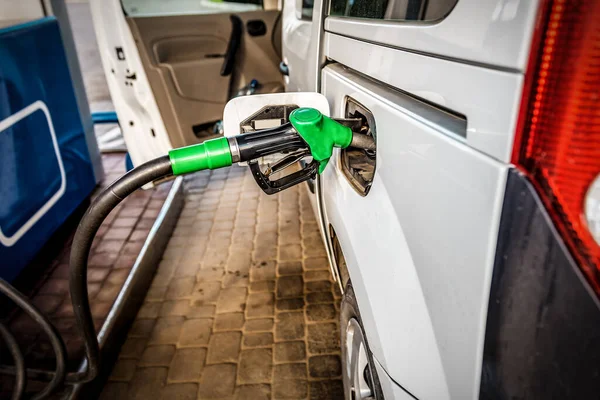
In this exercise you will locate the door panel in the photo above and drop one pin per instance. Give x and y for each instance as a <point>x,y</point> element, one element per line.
<point>420,245</point>
<point>183,56</point>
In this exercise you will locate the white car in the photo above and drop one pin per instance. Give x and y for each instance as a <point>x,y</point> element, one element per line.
<point>469,264</point>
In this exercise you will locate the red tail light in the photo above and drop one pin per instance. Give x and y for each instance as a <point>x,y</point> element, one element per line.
<point>558,135</point>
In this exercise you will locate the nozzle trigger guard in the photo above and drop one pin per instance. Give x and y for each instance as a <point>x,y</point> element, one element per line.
<point>271,187</point>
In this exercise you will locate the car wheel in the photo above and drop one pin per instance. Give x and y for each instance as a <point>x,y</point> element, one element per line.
<point>358,370</point>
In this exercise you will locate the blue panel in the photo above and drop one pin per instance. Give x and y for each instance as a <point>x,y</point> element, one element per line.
<point>34,185</point>
<point>33,67</point>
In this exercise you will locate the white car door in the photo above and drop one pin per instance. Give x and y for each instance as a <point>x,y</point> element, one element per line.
<point>418,231</point>
<point>300,31</point>
<point>172,66</point>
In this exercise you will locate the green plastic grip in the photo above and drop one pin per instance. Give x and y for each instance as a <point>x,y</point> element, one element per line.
<point>321,133</point>
<point>211,154</point>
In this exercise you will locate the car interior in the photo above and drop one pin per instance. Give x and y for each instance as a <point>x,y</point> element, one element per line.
<point>196,63</point>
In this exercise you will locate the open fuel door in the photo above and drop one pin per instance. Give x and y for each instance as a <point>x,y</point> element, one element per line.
<point>173,66</point>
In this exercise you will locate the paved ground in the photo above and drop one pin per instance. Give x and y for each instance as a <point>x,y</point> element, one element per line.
<point>242,305</point>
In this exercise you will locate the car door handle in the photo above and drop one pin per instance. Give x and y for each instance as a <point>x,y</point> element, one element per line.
<point>235,40</point>
<point>284,69</point>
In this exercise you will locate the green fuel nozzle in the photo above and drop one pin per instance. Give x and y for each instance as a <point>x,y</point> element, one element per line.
<point>309,134</point>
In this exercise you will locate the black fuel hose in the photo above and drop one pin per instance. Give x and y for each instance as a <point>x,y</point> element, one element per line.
<point>55,339</point>
<point>101,206</point>
<point>15,351</point>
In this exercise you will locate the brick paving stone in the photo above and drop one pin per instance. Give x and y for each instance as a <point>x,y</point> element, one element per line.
<point>224,347</point>
<point>253,392</point>
<point>319,297</point>
<point>255,366</point>
<point>156,293</point>
<point>186,269</point>
<point>323,338</point>
<point>142,327</point>
<point>263,271</point>
<point>149,310</point>
<point>290,304</point>
<point>327,390</point>
<point>236,279</point>
<point>257,325</point>
<point>290,389</point>
<point>174,308</point>
<point>117,277</point>
<point>260,339</point>
<point>210,274</point>
<point>157,356</point>
<point>290,351</point>
<point>217,381</point>
<point>166,330</point>
<point>289,371</point>
<point>96,274</point>
<point>55,287</point>
<point>289,326</point>
<point>180,391</point>
<point>290,286</point>
<point>231,300</point>
<point>187,364</point>
<point>260,305</point>
<point>265,252</point>
<point>103,259</point>
<point>100,309</point>
<point>328,366</point>
<point>118,233</point>
<point>123,370</point>
<point>195,332</point>
<point>289,268</point>
<point>108,293</point>
<point>180,288</point>
<point>318,286</point>
<point>47,304</point>
<point>147,383</point>
<point>115,391</point>
<point>133,348</point>
<point>262,286</point>
<point>194,311</point>
<point>290,252</point>
<point>110,246</point>
<point>318,275</point>
<point>229,321</point>
<point>316,263</point>
<point>321,312</point>
<point>205,293</point>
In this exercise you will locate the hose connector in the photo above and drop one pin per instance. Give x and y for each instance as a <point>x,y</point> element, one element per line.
<point>211,154</point>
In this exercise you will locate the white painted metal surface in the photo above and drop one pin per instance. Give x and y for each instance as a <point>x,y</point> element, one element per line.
<point>420,245</point>
<point>488,98</point>
<point>6,123</point>
<point>135,102</point>
<point>298,48</point>
<point>240,108</point>
<point>389,388</point>
<point>493,32</point>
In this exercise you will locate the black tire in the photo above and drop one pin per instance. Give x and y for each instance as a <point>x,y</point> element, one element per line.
<point>348,311</point>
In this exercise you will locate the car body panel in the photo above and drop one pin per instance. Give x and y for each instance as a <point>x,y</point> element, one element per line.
<point>490,113</point>
<point>496,33</point>
<point>424,310</point>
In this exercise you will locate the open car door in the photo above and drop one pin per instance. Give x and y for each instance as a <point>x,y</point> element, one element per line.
<point>172,66</point>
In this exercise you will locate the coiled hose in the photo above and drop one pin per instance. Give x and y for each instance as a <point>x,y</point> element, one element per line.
<point>101,206</point>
